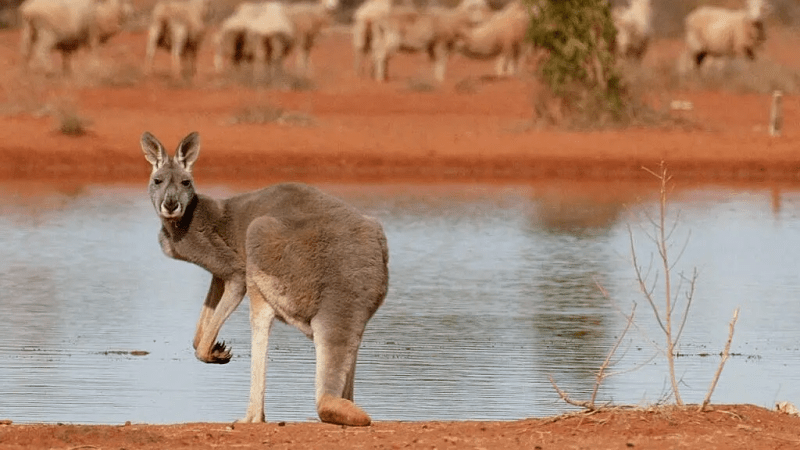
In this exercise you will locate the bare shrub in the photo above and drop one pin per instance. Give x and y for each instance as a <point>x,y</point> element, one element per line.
<point>669,294</point>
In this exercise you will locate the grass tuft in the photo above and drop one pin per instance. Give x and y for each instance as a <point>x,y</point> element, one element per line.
<point>71,123</point>
<point>268,113</point>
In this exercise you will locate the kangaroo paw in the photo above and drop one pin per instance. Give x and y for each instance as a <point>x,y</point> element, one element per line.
<point>341,412</point>
<point>220,354</point>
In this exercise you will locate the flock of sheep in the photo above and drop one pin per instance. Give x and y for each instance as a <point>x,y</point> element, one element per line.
<point>264,33</point>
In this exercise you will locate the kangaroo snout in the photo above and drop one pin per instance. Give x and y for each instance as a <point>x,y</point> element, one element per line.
<point>170,208</point>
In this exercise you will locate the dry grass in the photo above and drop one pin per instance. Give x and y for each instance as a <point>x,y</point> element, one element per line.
<point>266,113</point>
<point>649,90</point>
<point>737,75</point>
<point>106,73</point>
<point>68,120</point>
<point>742,76</point>
<point>420,85</point>
<point>243,76</point>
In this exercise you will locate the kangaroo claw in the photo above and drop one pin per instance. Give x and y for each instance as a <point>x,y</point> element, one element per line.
<point>220,354</point>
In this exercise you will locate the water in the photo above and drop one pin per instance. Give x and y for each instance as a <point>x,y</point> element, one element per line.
<point>493,292</point>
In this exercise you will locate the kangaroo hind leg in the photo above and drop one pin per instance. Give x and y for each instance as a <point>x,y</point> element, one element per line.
<point>337,350</point>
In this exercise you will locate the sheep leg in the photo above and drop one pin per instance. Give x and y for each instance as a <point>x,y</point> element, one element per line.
<point>514,60</point>
<point>260,51</point>
<point>26,43</point>
<point>66,63</point>
<point>276,59</point>
<point>384,43</point>
<point>219,42</point>
<point>698,59</point>
<point>152,40</point>
<point>361,42</point>
<point>191,59</point>
<point>179,36</point>
<point>303,59</point>
<point>501,64</point>
<point>45,41</point>
<point>380,66</point>
<point>94,48</point>
<point>439,56</point>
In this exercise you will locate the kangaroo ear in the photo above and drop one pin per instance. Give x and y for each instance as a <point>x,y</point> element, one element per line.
<point>188,151</point>
<point>154,152</point>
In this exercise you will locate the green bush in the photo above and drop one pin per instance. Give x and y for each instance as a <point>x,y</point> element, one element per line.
<point>579,65</point>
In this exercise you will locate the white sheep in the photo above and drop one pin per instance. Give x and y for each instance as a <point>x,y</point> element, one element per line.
<point>67,26</point>
<point>433,30</point>
<point>502,36</point>
<point>308,20</point>
<point>272,37</point>
<point>634,29</point>
<point>363,19</point>
<point>261,32</point>
<point>179,27</point>
<point>230,41</point>
<point>722,32</point>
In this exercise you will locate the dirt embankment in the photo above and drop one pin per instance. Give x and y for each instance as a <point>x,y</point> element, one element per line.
<point>340,126</point>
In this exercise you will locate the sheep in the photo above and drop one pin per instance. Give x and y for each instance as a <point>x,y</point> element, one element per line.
<point>502,36</point>
<point>179,27</point>
<point>634,29</point>
<point>308,20</point>
<point>68,25</point>
<point>363,19</point>
<point>722,32</point>
<point>231,39</point>
<point>261,32</point>
<point>272,37</point>
<point>433,30</point>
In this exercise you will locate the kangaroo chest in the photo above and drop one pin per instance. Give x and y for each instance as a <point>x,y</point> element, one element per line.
<point>208,251</point>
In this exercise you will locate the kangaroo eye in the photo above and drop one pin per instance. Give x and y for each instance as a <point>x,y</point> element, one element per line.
<point>186,183</point>
<point>157,180</point>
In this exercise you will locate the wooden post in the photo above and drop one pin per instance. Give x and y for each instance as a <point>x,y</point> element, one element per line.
<point>776,114</point>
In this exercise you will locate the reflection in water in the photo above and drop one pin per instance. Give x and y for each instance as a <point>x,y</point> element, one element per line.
<point>493,290</point>
<point>573,319</point>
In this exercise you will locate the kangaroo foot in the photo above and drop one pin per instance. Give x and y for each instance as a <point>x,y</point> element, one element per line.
<point>341,412</point>
<point>220,354</point>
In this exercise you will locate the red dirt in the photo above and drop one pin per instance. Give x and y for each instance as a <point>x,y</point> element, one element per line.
<point>724,427</point>
<point>468,129</point>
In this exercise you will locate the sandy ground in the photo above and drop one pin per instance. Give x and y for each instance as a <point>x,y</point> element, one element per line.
<point>346,128</point>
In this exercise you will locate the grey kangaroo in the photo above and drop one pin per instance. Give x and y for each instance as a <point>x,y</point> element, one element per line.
<point>302,256</point>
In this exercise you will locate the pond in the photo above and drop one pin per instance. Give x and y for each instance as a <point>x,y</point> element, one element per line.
<point>494,292</point>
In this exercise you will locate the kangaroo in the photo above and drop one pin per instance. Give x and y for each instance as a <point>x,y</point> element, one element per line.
<point>302,256</point>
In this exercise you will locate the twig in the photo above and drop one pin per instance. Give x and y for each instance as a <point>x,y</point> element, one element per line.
<point>648,294</point>
<point>689,298</point>
<point>725,355</point>
<point>601,373</point>
<point>564,396</point>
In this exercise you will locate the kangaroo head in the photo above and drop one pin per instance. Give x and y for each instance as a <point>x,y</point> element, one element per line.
<point>171,183</point>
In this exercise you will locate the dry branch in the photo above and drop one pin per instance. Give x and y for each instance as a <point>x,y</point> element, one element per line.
<point>725,354</point>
